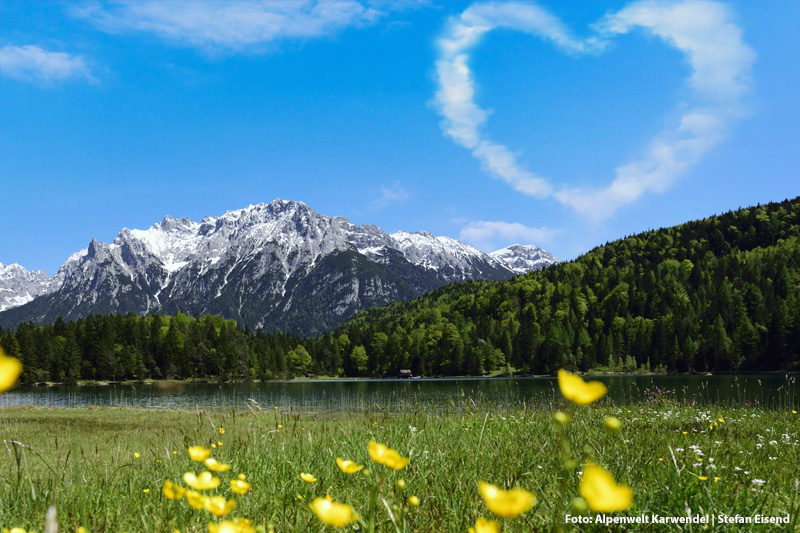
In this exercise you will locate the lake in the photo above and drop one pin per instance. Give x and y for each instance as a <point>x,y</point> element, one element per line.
<point>775,390</point>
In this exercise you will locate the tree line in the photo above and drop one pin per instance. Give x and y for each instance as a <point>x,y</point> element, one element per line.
<point>719,294</point>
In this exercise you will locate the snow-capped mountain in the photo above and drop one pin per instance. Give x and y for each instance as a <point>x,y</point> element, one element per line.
<point>19,286</point>
<point>277,266</point>
<point>522,258</point>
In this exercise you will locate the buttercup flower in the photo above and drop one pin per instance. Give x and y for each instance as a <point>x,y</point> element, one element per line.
<point>219,506</point>
<point>196,500</point>
<point>240,486</point>
<point>307,477</point>
<point>413,501</point>
<point>172,491</point>
<point>332,513</point>
<point>612,423</point>
<point>485,526</point>
<point>216,466</point>
<point>136,454</point>
<point>347,466</point>
<point>602,493</point>
<point>10,369</point>
<point>561,417</point>
<point>576,390</point>
<point>198,453</point>
<point>203,481</point>
<point>239,525</point>
<point>386,456</point>
<point>506,503</point>
<point>221,431</point>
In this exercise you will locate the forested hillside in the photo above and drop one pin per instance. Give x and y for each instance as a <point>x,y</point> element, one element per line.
<point>717,294</point>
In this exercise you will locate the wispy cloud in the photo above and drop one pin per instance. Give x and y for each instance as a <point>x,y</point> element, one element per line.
<point>702,30</point>
<point>391,194</point>
<point>224,26</point>
<point>489,236</point>
<point>34,64</point>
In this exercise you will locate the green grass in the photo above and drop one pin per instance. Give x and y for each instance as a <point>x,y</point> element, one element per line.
<point>82,462</point>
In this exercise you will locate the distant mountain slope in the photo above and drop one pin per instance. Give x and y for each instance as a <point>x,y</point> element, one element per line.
<point>522,258</point>
<point>721,293</point>
<point>19,286</point>
<point>274,266</point>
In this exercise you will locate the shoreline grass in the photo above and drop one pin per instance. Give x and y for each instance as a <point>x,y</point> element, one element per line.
<point>677,459</point>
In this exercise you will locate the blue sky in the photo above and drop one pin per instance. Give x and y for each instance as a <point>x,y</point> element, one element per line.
<point>561,124</point>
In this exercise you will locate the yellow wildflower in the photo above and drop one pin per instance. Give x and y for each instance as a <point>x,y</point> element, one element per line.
<point>612,423</point>
<point>380,453</point>
<point>347,466</point>
<point>146,491</point>
<point>602,493</point>
<point>332,513</point>
<point>242,477</point>
<point>240,486</point>
<point>219,443</point>
<point>702,478</point>
<point>198,453</point>
<point>561,417</point>
<point>219,506</point>
<point>239,525</point>
<point>216,466</point>
<point>221,431</point>
<point>485,526</point>
<point>203,481</point>
<point>576,390</point>
<point>136,454</point>
<point>717,478</point>
<point>307,477</point>
<point>413,501</point>
<point>10,369</point>
<point>196,500</point>
<point>506,503</point>
<point>400,484</point>
<point>172,491</point>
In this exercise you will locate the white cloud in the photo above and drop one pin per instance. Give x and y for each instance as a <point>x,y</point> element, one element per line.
<point>489,236</point>
<point>720,64</point>
<point>392,194</point>
<point>220,26</point>
<point>34,64</point>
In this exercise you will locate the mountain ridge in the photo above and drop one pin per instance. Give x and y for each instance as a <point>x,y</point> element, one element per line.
<point>252,264</point>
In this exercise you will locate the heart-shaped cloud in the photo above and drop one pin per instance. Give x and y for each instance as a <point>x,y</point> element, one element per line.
<point>720,64</point>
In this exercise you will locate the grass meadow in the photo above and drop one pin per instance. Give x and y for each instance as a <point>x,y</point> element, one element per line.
<point>103,469</point>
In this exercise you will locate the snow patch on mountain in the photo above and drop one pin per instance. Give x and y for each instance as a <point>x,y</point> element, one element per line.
<point>522,258</point>
<point>19,286</point>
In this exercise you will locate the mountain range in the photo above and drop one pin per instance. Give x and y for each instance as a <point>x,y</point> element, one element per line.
<point>276,266</point>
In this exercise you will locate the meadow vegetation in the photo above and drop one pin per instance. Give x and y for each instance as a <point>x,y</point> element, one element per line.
<point>105,469</point>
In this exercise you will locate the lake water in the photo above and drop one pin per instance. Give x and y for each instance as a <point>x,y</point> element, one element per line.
<point>777,390</point>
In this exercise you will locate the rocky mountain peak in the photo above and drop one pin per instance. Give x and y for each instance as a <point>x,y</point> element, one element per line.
<point>277,265</point>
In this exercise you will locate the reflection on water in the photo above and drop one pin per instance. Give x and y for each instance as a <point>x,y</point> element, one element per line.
<point>767,390</point>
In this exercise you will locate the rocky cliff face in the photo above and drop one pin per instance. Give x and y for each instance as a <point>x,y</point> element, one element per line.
<point>276,266</point>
